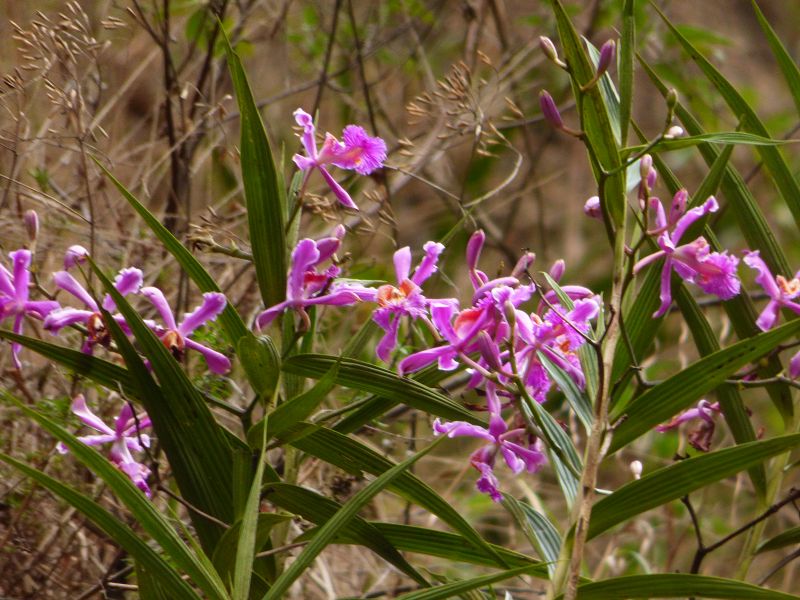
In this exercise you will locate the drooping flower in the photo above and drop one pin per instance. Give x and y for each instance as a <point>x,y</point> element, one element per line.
<point>176,337</point>
<point>125,437</point>
<point>357,151</point>
<point>520,452</point>
<point>699,438</point>
<point>307,285</point>
<point>127,281</point>
<point>75,255</point>
<point>15,297</point>
<point>406,299</point>
<point>780,291</point>
<point>714,272</point>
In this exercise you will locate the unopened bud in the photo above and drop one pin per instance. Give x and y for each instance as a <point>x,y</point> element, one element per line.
<point>31,220</point>
<point>636,469</point>
<point>607,52</point>
<point>489,351</point>
<point>550,110</point>
<point>75,255</point>
<point>651,179</point>
<point>549,50</point>
<point>474,247</point>
<point>558,268</point>
<point>674,132</point>
<point>523,264</point>
<point>645,166</point>
<point>672,99</point>
<point>510,313</point>
<point>592,208</point>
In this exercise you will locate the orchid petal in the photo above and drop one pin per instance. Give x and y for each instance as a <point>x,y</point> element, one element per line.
<point>213,304</point>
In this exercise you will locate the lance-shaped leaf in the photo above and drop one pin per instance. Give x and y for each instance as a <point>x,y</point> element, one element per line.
<point>318,509</point>
<point>371,378</point>
<point>328,532</point>
<point>451,590</point>
<point>676,585</point>
<point>789,537</point>
<point>660,403</point>
<point>262,190</point>
<point>723,137</point>
<point>541,533</point>
<point>677,480</point>
<point>787,65</point>
<point>355,457</point>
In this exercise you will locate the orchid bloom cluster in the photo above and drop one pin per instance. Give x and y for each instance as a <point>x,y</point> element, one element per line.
<point>500,343</point>
<point>15,303</point>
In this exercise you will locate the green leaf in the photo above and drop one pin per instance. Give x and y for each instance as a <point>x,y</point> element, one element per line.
<point>167,576</point>
<point>128,494</point>
<point>450,590</point>
<point>676,585</point>
<point>318,509</point>
<point>339,521</point>
<point>367,377</point>
<point>541,533</point>
<point>231,321</point>
<point>262,190</point>
<point>248,529</point>
<point>261,363</point>
<point>724,137</point>
<point>98,370</point>
<point>355,457</point>
<point>595,119</point>
<point>667,399</point>
<point>677,480</point>
<point>198,451</point>
<point>297,409</point>
<point>576,398</point>
<point>451,546</point>
<point>627,48</point>
<point>774,162</point>
<point>785,538</point>
<point>787,65</point>
<point>225,553</point>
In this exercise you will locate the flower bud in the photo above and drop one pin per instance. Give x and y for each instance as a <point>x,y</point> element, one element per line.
<point>489,351</point>
<point>592,208</point>
<point>523,264</point>
<point>674,132</point>
<point>558,268</point>
<point>474,247</point>
<point>636,469</point>
<point>75,255</point>
<point>607,52</point>
<point>651,179</point>
<point>645,166</point>
<point>794,366</point>
<point>550,110</point>
<point>510,313</point>
<point>31,220</point>
<point>549,50</point>
<point>672,99</point>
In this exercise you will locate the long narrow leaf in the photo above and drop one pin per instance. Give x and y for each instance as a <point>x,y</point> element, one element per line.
<point>450,590</point>
<point>677,393</point>
<point>675,481</point>
<point>676,585</point>
<point>367,377</point>
<point>262,190</point>
<point>337,522</point>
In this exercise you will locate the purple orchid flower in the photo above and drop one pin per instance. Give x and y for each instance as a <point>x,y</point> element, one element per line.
<point>176,336</point>
<point>127,281</point>
<point>14,297</point>
<point>699,438</point>
<point>519,451</point>
<point>780,291</point>
<point>125,437</point>
<point>75,255</point>
<point>406,299</point>
<point>357,151</point>
<point>308,286</point>
<point>713,272</point>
